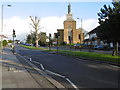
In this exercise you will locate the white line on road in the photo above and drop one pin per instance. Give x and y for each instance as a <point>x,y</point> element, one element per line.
<point>55,74</point>
<point>114,66</point>
<point>72,84</point>
<point>42,67</point>
<point>35,62</point>
<point>30,59</point>
<point>27,57</point>
<point>79,59</point>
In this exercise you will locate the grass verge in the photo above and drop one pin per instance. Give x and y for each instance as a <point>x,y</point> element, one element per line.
<point>90,55</point>
<point>31,47</point>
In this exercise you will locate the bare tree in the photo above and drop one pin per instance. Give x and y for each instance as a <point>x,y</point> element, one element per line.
<point>36,25</point>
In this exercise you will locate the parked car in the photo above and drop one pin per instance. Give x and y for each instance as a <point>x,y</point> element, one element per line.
<point>102,47</point>
<point>77,46</point>
<point>27,44</point>
<point>99,47</point>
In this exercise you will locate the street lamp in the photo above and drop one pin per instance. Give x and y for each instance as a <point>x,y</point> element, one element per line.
<point>81,22</point>
<point>2,16</point>
<point>79,36</point>
<point>2,27</point>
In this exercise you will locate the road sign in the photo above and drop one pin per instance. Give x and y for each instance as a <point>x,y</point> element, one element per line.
<point>14,35</point>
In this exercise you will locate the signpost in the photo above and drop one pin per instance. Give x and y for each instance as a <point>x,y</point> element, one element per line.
<point>57,36</point>
<point>13,41</point>
<point>49,41</point>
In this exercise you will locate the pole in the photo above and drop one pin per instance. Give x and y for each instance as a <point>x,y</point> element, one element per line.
<point>57,43</point>
<point>81,23</point>
<point>49,42</point>
<point>13,45</point>
<point>1,31</point>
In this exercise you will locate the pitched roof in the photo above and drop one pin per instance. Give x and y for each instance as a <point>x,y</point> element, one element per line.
<point>3,36</point>
<point>94,30</point>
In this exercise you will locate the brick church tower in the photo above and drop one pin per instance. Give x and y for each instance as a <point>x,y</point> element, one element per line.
<point>70,34</point>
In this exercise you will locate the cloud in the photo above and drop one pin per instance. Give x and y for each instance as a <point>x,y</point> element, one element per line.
<point>20,26</point>
<point>23,28</point>
<point>50,24</point>
<point>88,24</point>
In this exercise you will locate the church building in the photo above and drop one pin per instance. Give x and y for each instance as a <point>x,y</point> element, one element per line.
<point>70,34</point>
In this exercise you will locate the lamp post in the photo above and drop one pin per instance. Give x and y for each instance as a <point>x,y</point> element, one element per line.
<point>79,36</point>
<point>2,28</point>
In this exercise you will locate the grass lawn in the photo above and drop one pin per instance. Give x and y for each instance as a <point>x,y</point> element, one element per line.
<point>91,55</point>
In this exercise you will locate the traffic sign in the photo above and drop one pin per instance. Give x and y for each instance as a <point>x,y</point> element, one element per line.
<point>14,35</point>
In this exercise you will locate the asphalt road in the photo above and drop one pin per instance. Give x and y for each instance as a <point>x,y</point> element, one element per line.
<point>84,74</point>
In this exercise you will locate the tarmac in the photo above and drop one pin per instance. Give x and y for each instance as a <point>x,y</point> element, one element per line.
<point>16,72</point>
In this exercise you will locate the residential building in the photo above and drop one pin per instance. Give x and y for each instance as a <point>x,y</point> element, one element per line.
<point>94,40</point>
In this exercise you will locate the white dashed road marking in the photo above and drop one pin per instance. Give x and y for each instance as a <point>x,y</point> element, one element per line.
<point>55,73</point>
<point>72,84</point>
<point>42,67</point>
<point>67,79</point>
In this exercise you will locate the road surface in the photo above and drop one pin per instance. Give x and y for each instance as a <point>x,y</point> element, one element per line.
<point>84,74</point>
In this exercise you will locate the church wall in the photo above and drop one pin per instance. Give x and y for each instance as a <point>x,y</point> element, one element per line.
<point>66,35</point>
<point>68,23</point>
<point>77,32</point>
<point>82,37</point>
<point>60,38</point>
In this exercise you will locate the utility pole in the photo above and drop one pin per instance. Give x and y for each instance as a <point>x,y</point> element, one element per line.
<point>79,36</point>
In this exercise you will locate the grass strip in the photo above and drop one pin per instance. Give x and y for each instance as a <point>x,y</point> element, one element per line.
<point>90,55</point>
<point>31,47</point>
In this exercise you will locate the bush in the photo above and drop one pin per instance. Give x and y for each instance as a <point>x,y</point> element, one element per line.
<point>5,42</point>
<point>10,41</point>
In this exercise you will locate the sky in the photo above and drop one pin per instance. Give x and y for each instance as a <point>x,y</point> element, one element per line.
<point>51,14</point>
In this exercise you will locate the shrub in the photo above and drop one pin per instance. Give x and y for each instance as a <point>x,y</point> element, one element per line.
<point>5,42</point>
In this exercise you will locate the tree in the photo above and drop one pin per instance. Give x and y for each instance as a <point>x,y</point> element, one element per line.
<point>29,40</point>
<point>36,26</point>
<point>42,38</point>
<point>5,42</point>
<point>109,29</point>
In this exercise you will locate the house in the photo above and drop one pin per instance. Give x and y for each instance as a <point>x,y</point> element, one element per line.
<point>93,39</point>
<point>2,37</point>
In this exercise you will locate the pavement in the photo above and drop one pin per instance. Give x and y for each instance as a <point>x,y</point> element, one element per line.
<point>17,73</point>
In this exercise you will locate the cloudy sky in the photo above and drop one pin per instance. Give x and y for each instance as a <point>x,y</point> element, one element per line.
<point>51,14</point>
